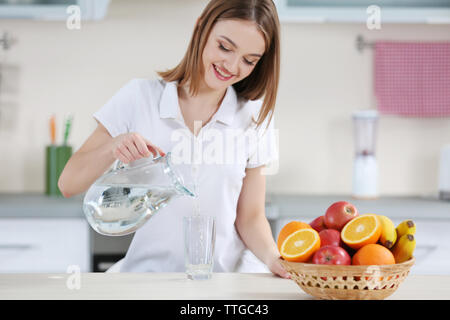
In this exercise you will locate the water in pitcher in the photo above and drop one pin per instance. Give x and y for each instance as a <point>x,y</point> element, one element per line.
<point>123,209</point>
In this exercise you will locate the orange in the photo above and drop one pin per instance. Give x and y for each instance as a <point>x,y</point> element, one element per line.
<point>362,230</point>
<point>300,245</point>
<point>373,254</point>
<point>290,228</point>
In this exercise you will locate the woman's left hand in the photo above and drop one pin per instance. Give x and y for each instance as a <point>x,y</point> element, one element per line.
<point>277,268</point>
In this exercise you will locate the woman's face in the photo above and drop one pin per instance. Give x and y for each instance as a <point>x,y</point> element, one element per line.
<point>231,52</point>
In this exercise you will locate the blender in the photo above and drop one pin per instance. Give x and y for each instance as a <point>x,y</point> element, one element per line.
<point>365,169</point>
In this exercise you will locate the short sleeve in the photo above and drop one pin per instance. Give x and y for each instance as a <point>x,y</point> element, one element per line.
<point>265,149</point>
<point>116,114</point>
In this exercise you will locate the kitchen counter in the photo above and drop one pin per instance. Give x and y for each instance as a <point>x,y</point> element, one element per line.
<point>175,286</point>
<point>278,206</point>
<point>395,207</point>
<point>38,205</point>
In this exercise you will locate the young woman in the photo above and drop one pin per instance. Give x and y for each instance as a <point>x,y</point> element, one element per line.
<point>226,85</point>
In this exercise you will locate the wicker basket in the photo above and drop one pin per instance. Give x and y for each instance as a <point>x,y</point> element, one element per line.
<point>348,282</point>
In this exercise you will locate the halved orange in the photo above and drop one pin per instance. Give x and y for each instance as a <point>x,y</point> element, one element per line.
<point>362,230</point>
<point>288,229</point>
<point>300,245</point>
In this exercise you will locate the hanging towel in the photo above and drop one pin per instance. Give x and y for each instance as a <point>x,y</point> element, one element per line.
<point>413,79</point>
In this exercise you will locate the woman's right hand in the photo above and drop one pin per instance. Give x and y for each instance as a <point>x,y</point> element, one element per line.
<point>129,147</point>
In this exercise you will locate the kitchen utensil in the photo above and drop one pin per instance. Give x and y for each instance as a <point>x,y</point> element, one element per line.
<point>365,169</point>
<point>53,129</point>
<point>444,174</point>
<point>124,198</point>
<point>67,128</point>
<point>348,282</point>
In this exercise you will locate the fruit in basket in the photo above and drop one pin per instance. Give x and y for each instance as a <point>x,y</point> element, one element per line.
<point>362,230</point>
<point>338,214</point>
<point>404,249</point>
<point>330,237</point>
<point>406,227</point>
<point>349,250</point>
<point>388,233</point>
<point>288,229</point>
<point>331,255</point>
<point>373,254</point>
<point>318,224</point>
<point>300,245</point>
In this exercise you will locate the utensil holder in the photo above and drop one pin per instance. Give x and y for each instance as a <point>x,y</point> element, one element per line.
<point>56,159</point>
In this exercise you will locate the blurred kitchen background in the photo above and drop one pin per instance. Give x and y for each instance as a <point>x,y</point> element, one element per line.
<point>328,73</point>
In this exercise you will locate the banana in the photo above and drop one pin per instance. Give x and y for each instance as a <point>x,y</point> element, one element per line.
<point>388,232</point>
<point>406,227</point>
<point>404,248</point>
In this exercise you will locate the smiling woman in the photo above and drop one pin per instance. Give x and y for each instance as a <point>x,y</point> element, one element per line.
<point>238,43</point>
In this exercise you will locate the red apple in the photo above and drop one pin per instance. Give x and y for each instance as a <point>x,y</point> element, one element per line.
<point>338,214</point>
<point>331,255</point>
<point>318,224</point>
<point>330,237</point>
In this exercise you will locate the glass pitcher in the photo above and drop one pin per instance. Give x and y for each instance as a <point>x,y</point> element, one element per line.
<point>124,198</point>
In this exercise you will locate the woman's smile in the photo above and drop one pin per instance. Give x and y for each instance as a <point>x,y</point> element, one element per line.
<point>221,74</point>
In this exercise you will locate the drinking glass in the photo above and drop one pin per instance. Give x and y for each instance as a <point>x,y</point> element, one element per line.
<point>199,242</point>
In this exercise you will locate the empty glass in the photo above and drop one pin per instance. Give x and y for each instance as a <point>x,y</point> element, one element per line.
<point>199,242</point>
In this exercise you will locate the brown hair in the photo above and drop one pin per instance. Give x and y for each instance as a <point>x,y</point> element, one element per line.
<point>263,80</point>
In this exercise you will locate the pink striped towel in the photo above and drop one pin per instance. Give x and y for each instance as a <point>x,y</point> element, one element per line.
<point>413,79</point>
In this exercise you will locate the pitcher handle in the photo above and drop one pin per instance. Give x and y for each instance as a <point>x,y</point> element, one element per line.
<point>119,164</point>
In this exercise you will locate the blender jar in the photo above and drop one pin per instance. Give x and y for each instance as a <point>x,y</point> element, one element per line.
<point>365,169</point>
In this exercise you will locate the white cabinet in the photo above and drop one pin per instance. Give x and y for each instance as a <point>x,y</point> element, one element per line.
<point>432,252</point>
<point>44,245</point>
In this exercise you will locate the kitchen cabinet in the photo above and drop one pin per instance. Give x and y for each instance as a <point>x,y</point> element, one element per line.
<point>43,234</point>
<point>43,245</point>
<point>20,211</point>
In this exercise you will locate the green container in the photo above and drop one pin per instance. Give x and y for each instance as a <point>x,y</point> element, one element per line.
<point>56,159</point>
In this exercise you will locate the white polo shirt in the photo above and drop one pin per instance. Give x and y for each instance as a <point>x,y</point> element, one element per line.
<point>221,152</point>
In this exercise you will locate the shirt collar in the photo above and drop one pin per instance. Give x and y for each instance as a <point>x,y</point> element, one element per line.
<point>228,107</point>
<point>169,107</point>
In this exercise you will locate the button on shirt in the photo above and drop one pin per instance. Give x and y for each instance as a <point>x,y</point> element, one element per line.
<point>213,162</point>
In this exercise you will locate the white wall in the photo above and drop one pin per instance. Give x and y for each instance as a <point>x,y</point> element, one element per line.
<point>324,79</point>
